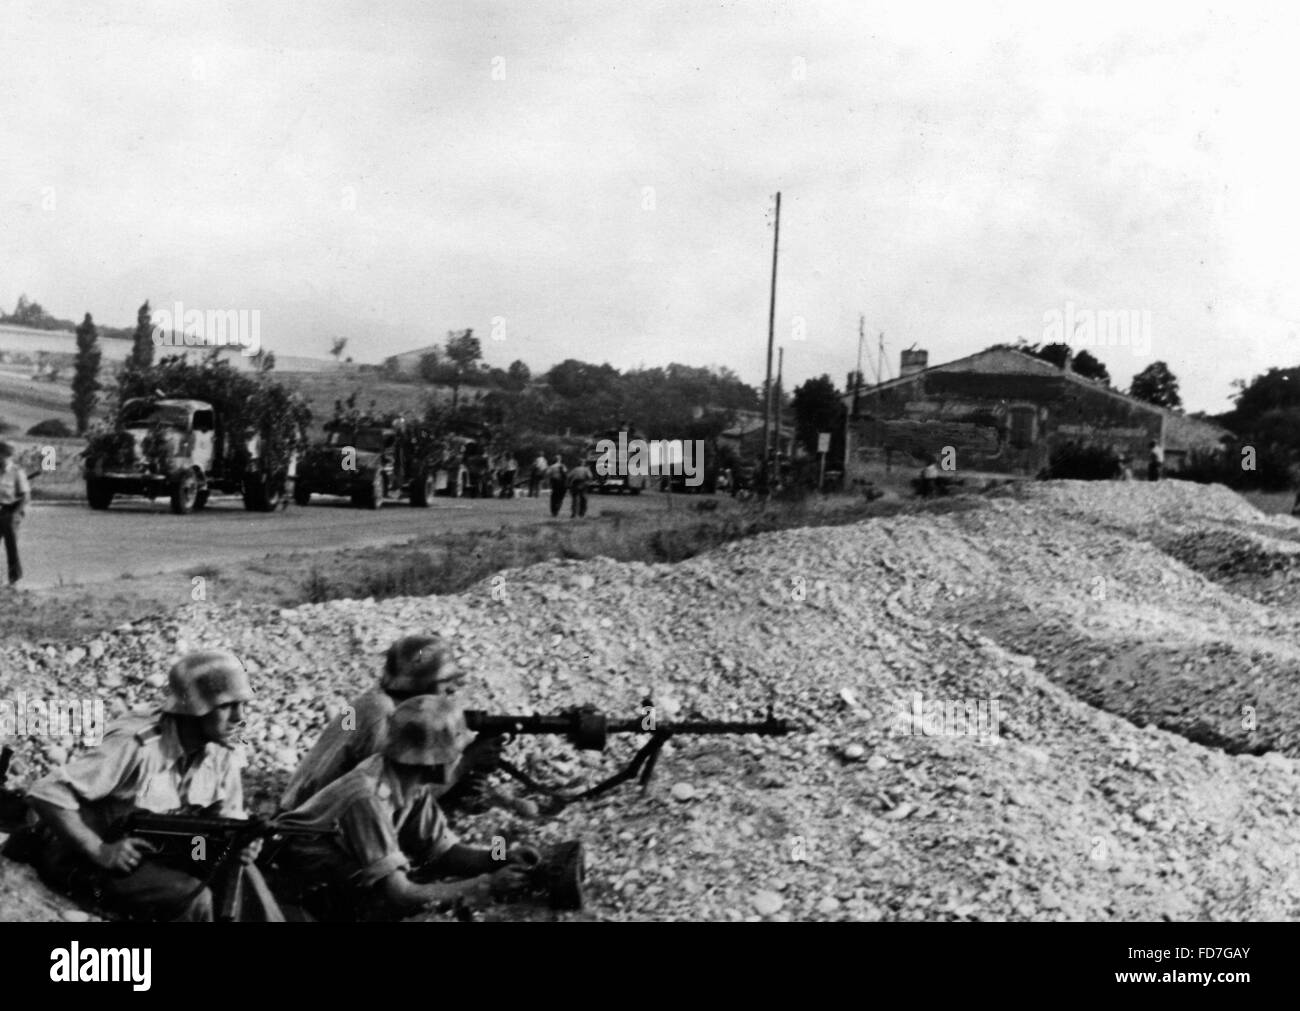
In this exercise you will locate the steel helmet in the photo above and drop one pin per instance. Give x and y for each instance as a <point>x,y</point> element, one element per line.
<point>419,664</point>
<point>427,730</point>
<point>202,681</point>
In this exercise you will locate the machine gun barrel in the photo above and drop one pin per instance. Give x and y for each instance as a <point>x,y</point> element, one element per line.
<point>588,729</point>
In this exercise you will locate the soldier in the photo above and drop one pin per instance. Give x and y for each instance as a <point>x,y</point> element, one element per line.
<point>535,475</point>
<point>14,494</point>
<point>182,759</point>
<point>555,475</point>
<point>415,665</point>
<point>390,835</point>
<point>579,478</point>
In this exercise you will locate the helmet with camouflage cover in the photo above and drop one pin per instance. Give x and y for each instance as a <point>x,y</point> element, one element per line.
<point>420,665</point>
<point>427,730</point>
<point>202,681</point>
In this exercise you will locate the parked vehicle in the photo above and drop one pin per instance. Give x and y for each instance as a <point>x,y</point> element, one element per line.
<point>369,463</point>
<point>182,449</point>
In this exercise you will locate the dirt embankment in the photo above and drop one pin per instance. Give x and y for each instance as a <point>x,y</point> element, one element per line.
<point>1051,605</point>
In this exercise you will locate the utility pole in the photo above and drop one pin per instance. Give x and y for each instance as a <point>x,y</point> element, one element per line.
<point>857,376</point>
<point>880,360</point>
<point>771,327</point>
<point>780,371</point>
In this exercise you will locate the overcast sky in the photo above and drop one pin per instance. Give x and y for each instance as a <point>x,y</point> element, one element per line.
<point>600,176</point>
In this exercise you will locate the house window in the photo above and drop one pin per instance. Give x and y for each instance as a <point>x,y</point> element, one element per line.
<point>1022,422</point>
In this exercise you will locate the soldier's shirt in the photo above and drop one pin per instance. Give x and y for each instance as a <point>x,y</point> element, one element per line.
<point>13,484</point>
<point>378,828</point>
<point>348,739</point>
<point>141,764</point>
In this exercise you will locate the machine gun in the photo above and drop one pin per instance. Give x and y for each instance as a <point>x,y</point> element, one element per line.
<point>173,835</point>
<point>588,729</point>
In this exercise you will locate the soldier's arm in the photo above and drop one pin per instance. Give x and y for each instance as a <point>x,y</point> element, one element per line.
<point>405,894</point>
<point>124,855</point>
<point>109,769</point>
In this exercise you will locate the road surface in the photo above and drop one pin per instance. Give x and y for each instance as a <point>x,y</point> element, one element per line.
<point>67,542</point>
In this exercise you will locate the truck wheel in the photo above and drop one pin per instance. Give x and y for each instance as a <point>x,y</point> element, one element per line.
<point>262,495</point>
<point>185,492</point>
<point>301,494</point>
<point>422,490</point>
<point>98,494</point>
<point>373,497</point>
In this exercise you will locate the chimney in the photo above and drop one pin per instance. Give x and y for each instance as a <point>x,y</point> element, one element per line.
<point>911,362</point>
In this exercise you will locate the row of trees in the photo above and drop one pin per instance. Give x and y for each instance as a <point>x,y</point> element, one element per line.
<point>86,386</point>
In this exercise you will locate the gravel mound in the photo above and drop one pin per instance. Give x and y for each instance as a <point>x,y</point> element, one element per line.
<point>1068,812</point>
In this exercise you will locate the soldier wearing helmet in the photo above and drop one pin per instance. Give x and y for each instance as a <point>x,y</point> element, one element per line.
<point>180,759</point>
<point>415,665</point>
<point>391,836</point>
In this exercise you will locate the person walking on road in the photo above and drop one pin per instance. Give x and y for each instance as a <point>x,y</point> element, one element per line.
<point>509,467</point>
<point>556,475</point>
<point>14,495</point>
<point>579,478</point>
<point>535,476</point>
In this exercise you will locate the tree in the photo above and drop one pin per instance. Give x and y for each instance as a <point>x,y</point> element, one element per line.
<point>1090,368</point>
<point>517,375</point>
<point>337,348</point>
<point>142,345</point>
<point>85,378</point>
<point>1156,385</point>
<point>463,350</point>
<point>817,409</point>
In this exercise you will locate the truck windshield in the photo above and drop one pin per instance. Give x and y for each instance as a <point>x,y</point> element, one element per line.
<point>367,440</point>
<point>168,415</point>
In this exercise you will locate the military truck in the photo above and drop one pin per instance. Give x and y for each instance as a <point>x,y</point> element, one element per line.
<point>369,462</point>
<point>619,479</point>
<point>181,449</point>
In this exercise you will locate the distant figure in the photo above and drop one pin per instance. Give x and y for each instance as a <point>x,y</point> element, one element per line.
<point>556,475</point>
<point>509,467</point>
<point>14,495</point>
<point>1157,461</point>
<point>929,480</point>
<point>579,478</point>
<point>1124,470</point>
<point>535,475</point>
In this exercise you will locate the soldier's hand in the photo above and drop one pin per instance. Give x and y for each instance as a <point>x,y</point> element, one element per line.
<point>524,855</point>
<point>249,854</point>
<point>124,856</point>
<point>483,753</point>
<point>511,879</point>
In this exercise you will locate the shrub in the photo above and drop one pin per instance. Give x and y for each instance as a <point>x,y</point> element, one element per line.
<point>54,428</point>
<point>1075,462</point>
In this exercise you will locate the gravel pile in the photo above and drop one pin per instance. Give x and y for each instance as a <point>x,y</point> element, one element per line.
<point>1069,812</point>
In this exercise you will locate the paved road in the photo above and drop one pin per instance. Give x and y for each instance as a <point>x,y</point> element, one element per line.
<point>68,542</point>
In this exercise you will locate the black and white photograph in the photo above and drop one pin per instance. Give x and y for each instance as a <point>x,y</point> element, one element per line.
<point>554,461</point>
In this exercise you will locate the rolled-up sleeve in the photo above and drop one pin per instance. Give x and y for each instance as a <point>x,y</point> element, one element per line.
<point>426,834</point>
<point>371,841</point>
<point>106,770</point>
